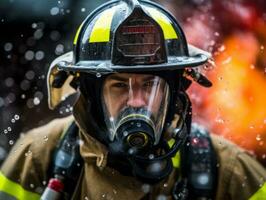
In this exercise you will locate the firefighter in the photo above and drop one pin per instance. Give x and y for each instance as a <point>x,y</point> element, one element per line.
<point>130,135</point>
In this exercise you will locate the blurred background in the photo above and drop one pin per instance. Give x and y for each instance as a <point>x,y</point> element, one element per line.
<point>33,33</point>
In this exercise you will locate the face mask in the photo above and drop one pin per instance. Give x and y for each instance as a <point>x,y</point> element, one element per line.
<point>135,106</point>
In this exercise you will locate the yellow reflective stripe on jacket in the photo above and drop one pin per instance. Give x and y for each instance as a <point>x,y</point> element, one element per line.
<point>16,190</point>
<point>101,29</point>
<point>260,194</point>
<point>164,22</point>
<point>176,158</point>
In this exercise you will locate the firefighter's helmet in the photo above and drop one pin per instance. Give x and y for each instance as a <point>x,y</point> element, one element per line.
<point>131,36</point>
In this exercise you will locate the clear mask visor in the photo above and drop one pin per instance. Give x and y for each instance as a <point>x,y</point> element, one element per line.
<point>128,96</point>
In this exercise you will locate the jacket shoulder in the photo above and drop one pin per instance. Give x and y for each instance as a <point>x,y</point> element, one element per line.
<point>28,161</point>
<point>240,174</point>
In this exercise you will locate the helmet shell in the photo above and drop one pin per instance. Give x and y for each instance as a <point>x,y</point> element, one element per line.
<point>131,36</point>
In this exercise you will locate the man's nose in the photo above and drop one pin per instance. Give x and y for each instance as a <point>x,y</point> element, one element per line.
<point>136,99</point>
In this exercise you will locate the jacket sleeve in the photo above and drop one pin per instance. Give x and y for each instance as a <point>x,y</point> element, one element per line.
<point>248,178</point>
<point>241,176</point>
<point>24,174</point>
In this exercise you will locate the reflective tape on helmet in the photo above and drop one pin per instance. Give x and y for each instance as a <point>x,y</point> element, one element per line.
<point>77,34</point>
<point>163,21</point>
<point>260,194</point>
<point>14,190</point>
<point>101,29</point>
<point>176,158</point>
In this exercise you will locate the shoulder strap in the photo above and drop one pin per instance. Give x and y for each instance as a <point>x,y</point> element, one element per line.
<point>199,164</point>
<point>67,163</point>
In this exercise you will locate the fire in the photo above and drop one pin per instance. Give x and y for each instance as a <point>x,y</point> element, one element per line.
<point>236,102</point>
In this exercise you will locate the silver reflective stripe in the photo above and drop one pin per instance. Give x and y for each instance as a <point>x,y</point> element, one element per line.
<point>5,196</point>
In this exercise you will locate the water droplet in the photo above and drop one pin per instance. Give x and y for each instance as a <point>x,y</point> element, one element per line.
<point>165,184</point>
<point>55,35</point>
<point>220,78</point>
<point>151,156</point>
<point>146,188</point>
<point>221,48</point>
<point>8,46</point>
<point>138,124</point>
<point>252,66</point>
<point>59,49</point>
<point>5,131</point>
<point>98,75</point>
<point>45,138</point>
<point>9,82</point>
<point>39,55</point>
<point>44,182</point>
<point>9,128</point>
<point>29,153</point>
<point>125,133</point>
<point>11,142</point>
<point>36,101</point>
<point>210,65</point>
<point>38,34</point>
<point>13,120</point>
<point>32,185</point>
<point>217,34</point>
<point>23,96</point>
<point>54,11</point>
<point>227,61</point>
<point>83,9</point>
<point>16,117</point>
<point>258,137</point>
<point>34,25</point>
<point>219,120</point>
<point>29,55</point>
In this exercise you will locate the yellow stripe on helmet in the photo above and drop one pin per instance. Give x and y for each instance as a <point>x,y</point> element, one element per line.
<point>164,22</point>
<point>77,34</point>
<point>15,190</point>
<point>101,29</point>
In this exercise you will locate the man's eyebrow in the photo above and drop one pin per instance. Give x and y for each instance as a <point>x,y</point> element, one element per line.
<point>117,78</point>
<point>148,78</point>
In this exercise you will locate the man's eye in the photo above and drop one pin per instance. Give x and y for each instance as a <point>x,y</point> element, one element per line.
<point>120,85</point>
<point>150,83</point>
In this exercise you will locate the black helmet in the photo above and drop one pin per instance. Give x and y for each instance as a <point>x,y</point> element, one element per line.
<point>131,36</point>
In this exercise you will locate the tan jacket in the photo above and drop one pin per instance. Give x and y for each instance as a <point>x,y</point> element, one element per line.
<point>24,173</point>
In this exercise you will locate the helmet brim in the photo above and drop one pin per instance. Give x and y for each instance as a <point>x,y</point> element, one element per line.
<point>105,67</point>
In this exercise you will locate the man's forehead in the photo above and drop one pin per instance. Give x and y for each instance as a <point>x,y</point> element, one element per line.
<point>126,76</point>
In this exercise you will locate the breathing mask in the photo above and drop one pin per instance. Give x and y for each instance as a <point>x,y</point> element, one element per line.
<point>135,107</point>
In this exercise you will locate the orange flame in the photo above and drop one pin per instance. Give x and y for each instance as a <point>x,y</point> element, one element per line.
<point>237,101</point>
